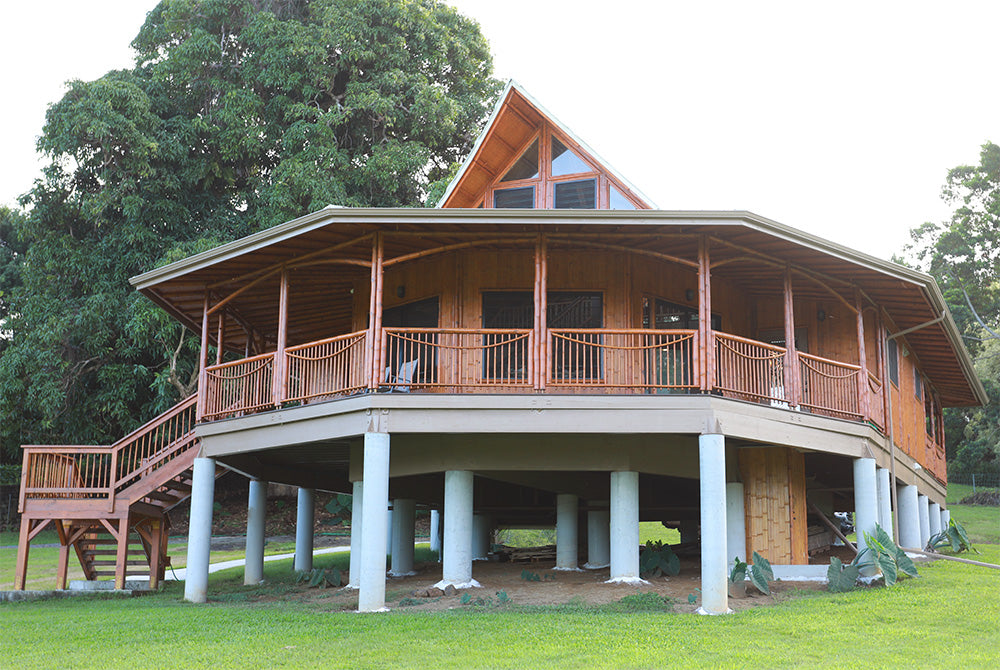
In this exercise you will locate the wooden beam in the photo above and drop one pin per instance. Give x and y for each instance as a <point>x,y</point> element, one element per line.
<point>632,250</point>
<point>706,344</point>
<point>792,372</point>
<point>378,275</point>
<point>832,526</point>
<point>243,289</point>
<point>280,382</point>
<point>203,360</point>
<point>863,405</point>
<point>451,247</point>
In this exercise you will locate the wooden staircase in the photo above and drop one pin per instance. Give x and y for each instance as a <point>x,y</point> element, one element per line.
<point>110,504</point>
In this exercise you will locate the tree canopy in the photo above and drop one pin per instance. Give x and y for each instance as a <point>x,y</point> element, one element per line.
<point>963,254</point>
<point>237,115</point>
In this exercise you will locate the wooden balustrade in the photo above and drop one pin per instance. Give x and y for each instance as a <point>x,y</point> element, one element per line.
<point>67,471</point>
<point>155,443</point>
<point>638,360</point>
<point>239,387</point>
<point>457,359</point>
<point>829,387</point>
<point>750,370</point>
<point>327,368</point>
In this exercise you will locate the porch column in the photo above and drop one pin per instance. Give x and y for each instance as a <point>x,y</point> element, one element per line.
<point>792,380</point>
<point>923,502</point>
<point>689,531</point>
<point>456,568</point>
<point>481,527</point>
<point>541,312</point>
<point>863,405</point>
<point>373,345</point>
<point>598,539</point>
<point>403,519</point>
<point>357,507</point>
<point>865,500</point>
<point>884,499</point>
<point>388,532</point>
<point>375,503</point>
<point>712,482</point>
<point>566,532</point>
<point>305,520</point>
<point>280,379</point>
<point>625,528</point>
<point>706,345</point>
<point>909,517</point>
<point>945,519</point>
<point>253,570</point>
<point>934,517</point>
<point>736,523</point>
<point>436,532</point>
<point>203,363</point>
<point>199,530</point>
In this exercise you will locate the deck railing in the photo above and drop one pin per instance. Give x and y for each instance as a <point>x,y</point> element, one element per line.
<point>829,387</point>
<point>643,360</point>
<point>458,360</point>
<point>328,368</point>
<point>154,444</point>
<point>239,387</point>
<point>750,370</point>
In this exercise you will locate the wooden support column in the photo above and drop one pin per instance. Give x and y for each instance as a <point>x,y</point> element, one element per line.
<point>375,313</point>
<point>63,565</point>
<point>863,406</point>
<point>706,345</point>
<point>220,337</point>
<point>202,362</point>
<point>541,352</point>
<point>156,547</point>
<point>792,372</point>
<point>280,381</point>
<point>883,373</point>
<point>23,545</point>
<point>121,557</point>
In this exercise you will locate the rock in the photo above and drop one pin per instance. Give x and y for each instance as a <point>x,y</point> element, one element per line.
<point>434,592</point>
<point>450,590</point>
<point>419,593</point>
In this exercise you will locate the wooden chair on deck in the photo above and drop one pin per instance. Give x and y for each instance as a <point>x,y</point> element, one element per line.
<point>401,381</point>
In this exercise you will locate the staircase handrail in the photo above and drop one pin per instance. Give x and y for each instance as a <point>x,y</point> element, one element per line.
<point>171,447</point>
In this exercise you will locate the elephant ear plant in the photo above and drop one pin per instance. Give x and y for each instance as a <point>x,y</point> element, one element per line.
<point>760,573</point>
<point>954,536</point>
<point>882,553</point>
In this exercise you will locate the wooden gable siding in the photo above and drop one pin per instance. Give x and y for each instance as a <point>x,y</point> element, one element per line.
<point>774,489</point>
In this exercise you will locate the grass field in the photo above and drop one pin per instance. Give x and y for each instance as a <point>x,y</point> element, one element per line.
<point>951,615</point>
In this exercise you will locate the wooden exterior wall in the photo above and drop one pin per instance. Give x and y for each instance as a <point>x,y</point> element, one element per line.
<point>774,488</point>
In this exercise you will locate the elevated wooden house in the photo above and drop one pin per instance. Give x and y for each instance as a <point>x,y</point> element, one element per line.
<point>544,347</point>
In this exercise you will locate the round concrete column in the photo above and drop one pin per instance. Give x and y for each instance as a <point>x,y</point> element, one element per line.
<point>736,523</point>
<point>403,519</point>
<point>945,519</point>
<point>375,503</point>
<point>625,528</point>
<point>357,507</point>
<point>566,532</point>
<point>482,527</point>
<point>882,484</point>
<point>598,539</point>
<point>253,570</point>
<point>923,504</point>
<point>304,521</point>
<point>714,561</point>
<point>199,530</point>
<point>388,533</point>
<point>934,518</point>
<point>909,517</point>
<point>456,568</point>
<point>436,532</point>
<point>865,499</point>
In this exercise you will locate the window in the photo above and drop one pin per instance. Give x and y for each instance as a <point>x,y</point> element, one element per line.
<point>672,316</point>
<point>504,355</point>
<point>576,194</point>
<point>776,336</point>
<point>515,198</point>
<point>526,167</point>
<point>917,384</point>
<point>619,201</point>
<point>414,346</point>
<point>566,162</point>
<point>892,360</point>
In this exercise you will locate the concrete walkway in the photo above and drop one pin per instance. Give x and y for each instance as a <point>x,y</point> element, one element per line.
<point>179,573</point>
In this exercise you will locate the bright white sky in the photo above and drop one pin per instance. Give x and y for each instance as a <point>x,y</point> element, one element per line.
<point>841,119</point>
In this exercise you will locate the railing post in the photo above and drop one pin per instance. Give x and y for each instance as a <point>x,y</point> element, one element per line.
<point>202,361</point>
<point>113,480</point>
<point>863,405</point>
<point>278,367</point>
<point>793,375</point>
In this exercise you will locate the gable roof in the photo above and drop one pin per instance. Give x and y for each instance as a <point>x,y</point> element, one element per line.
<point>515,119</point>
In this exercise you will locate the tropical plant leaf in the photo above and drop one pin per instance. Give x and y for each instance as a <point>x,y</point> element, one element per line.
<point>739,571</point>
<point>840,577</point>
<point>758,579</point>
<point>764,566</point>
<point>905,564</point>
<point>887,564</point>
<point>966,542</point>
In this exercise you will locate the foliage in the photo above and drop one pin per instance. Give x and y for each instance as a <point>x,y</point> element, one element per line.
<point>658,560</point>
<point>319,577</point>
<point>340,507</point>
<point>887,557</point>
<point>963,254</point>
<point>739,571</point>
<point>840,577</point>
<point>647,601</point>
<point>760,573</point>
<point>10,475</point>
<point>953,536</point>
<point>486,602</point>
<point>529,576</point>
<point>237,115</point>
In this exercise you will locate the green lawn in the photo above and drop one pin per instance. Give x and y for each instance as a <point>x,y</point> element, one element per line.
<point>950,615</point>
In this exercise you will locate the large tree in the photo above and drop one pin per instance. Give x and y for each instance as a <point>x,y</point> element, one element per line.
<point>963,254</point>
<point>238,114</point>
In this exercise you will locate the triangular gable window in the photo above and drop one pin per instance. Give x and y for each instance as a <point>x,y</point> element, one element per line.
<point>564,161</point>
<point>619,201</point>
<point>526,167</point>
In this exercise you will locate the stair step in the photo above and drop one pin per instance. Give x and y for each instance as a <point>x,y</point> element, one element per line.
<point>162,495</point>
<point>114,563</point>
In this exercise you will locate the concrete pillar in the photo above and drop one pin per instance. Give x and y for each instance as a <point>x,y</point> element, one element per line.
<point>689,531</point>
<point>200,530</point>
<point>482,527</point>
<point>945,519</point>
<point>253,569</point>
<point>357,507</point>
<point>404,517</point>
<point>736,523</point>
<point>865,499</point>
<point>934,518</point>
<point>305,520</point>
<point>388,532</point>
<point>714,552</point>
<point>436,532</point>
<point>456,568</point>
<point>909,517</point>
<point>375,504</point>
<point>882,484</point>
<point>625,528</point>
<point>923,503</point>
<point>598,539</point>
<point>566,532</point>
